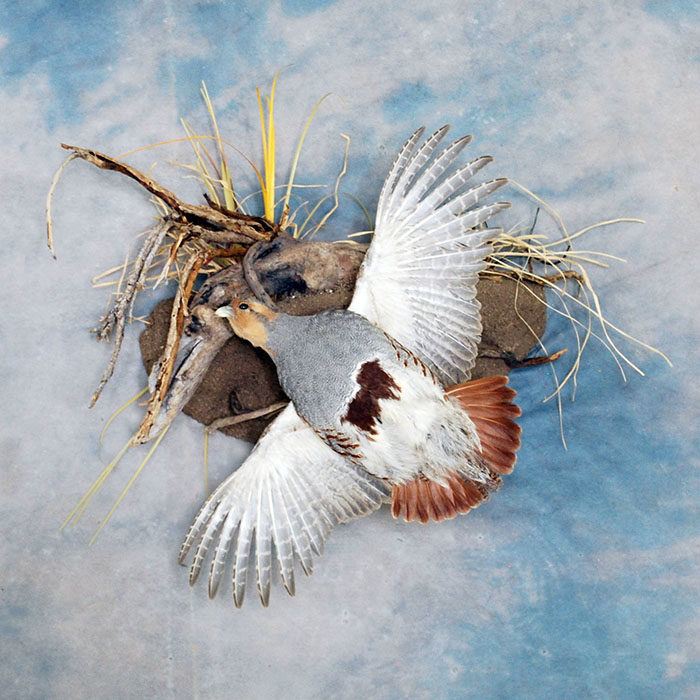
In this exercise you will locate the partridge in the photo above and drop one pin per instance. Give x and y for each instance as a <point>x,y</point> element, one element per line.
<point>382,408</point>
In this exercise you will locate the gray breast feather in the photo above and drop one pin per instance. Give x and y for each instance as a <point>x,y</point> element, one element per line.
<point>318,358</point>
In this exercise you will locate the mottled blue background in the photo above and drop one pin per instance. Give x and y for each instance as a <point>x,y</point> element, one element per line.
<point>581,579</point>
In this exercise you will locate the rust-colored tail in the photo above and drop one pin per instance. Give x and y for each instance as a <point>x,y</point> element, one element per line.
<point>489,404</point>
<point>426,500</point>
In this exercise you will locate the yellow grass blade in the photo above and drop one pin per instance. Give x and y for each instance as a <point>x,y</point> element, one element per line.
<point>180,139</point>
<point>586,229</point>
<point>227,186</point>
<point>83,503</point>
<point>365,211</point>
<point>119,410</point>
<point>201,166</point>
<point>129,484</point>
<point>342,172</point>
<point>553,212</point>
<point>49,198</point>
<point>268,142</point>
<point>263,133</point>
<point>297,152</point>
<point>300,232</point>
<point>270,165</point>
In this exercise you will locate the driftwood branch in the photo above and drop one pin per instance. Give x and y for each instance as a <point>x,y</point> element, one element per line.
<point>211,224</point>
<point>166,366</point>
<point>224,237</point>
<point>252,228</point>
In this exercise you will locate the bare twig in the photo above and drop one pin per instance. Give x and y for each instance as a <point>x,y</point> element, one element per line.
<point>115,319</point>
<point>539,360</point>
<point>210,236</point>
<point>243,417</point>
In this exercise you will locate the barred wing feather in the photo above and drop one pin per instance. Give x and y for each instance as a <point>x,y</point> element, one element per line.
<point>418,279</point>
<point>285,498</point>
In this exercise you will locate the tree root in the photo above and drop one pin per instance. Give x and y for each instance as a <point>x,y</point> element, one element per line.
<point>215,221</point>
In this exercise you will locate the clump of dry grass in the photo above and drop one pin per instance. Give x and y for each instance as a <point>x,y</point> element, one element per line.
<point>554,263</point>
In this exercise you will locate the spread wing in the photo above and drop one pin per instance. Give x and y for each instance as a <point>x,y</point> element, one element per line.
<point>287,496</point>
<point>418,279</point>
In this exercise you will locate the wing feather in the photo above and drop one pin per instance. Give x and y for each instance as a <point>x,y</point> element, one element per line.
<point>402,158</point>
<point>204,543</point>
<point>263,543</point>
<point>287,496</point>
<point>418,279</point>
<point>221,552</point>
<point>466,172</point>
<point>303,524</point>
<point>242,546</point>
<point>313,522</point>
<point>431,174</point>
<point>415,165</point>
<point>283,543</point>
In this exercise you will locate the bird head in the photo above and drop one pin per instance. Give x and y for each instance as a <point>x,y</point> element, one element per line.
<point>249,318</point>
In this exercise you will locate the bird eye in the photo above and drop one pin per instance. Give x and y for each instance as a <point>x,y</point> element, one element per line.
<point>243,306</point>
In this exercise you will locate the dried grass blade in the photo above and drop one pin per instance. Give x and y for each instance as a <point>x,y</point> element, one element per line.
<point>129,484</point>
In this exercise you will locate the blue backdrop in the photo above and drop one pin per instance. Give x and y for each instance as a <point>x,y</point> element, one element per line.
<point>581,578</point>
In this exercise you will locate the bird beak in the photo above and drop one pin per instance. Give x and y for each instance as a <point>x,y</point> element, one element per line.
<point>224,311</point>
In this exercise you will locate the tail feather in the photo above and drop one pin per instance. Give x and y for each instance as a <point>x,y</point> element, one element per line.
<point>426,500</point>
<point>489,404</point>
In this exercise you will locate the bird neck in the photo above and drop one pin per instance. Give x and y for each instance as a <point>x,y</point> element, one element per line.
<point>283,333</point>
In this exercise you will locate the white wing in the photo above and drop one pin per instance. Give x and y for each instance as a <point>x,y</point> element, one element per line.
<point>289,493</point>
<point>418,279</point>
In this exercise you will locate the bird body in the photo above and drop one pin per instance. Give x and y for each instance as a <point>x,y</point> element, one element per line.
<point>382,407</point>
<point>318,358</point>
<point>369,398</point>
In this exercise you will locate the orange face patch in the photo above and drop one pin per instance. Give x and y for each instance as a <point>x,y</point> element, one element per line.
<point>249,322</point>
<point>250,328</point>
